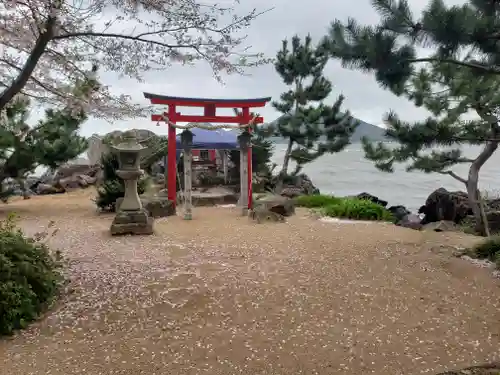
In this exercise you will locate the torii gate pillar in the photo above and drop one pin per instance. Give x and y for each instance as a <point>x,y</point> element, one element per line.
<point>172,156</point>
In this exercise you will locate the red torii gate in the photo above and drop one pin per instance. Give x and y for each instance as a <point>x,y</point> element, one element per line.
<point>209,115</point>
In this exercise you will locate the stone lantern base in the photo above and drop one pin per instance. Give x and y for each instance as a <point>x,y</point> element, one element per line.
<point>132,222</point>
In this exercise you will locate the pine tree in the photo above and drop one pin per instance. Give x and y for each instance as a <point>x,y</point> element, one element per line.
<point>460,35</point>
<point>311,127</point>
<point>451,83</point>
<point>52,142</point>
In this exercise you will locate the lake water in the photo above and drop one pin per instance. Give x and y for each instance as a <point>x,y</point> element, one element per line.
<point>348,173</point>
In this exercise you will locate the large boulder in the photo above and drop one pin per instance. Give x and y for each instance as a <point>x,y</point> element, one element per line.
<point>372,198</point>
<point>441,226</point>
<point>444,205</point>
<point>68,183</point>
<point>411,221</point>
<point>68,170</point>
<point>399,213</point>
<point>45,189</point>
<point>276,203</point>
<point>292,192</point>
<point>294,186</point>
<point>159,207</point>
<point>76,181</point>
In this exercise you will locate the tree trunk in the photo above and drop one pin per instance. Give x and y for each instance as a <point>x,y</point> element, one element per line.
<point>286,159</point>
<point>30,64</point>
<point>472,185</point>
<point>284,168</point>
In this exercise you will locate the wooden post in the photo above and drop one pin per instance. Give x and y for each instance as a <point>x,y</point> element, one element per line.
<point>187,143</point>
<point>225,163</point>
<point>165,174</point>
<point>244,182</point>
<point>246,115</point>
<point>244,139</point>
<point>172,156</point>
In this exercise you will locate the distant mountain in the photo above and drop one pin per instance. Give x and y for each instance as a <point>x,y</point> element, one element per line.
<point>364,129</point>
<point>372,132</point>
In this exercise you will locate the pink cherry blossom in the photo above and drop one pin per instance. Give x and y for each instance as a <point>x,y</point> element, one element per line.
<point>50,45</point>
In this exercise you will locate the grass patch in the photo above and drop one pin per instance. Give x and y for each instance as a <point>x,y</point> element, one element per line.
<point>488,249</point>
<point>357,209</point>
<point>316,201</point>
<point>346,208</point>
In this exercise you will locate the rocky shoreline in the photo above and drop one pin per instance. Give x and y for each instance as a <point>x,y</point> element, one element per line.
<point>443,210</point>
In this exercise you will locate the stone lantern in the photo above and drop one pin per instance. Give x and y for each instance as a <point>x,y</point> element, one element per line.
<point>244,140</point>
<point>131,217</point>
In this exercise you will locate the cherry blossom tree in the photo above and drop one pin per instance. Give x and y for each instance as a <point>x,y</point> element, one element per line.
<point>48,45</point>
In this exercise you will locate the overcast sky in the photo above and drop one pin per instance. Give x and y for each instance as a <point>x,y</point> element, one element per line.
<point>364,98</point>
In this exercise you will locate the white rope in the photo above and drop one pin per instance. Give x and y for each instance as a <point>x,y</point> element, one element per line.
<point>207,127</point>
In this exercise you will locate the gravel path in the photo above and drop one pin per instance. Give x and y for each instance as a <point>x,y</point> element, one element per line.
<point>222,295</point>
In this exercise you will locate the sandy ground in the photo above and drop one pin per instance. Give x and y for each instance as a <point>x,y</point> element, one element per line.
<point>223,295</point>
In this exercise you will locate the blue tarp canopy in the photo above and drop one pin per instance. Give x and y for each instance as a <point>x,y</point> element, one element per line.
<point>218,139</point>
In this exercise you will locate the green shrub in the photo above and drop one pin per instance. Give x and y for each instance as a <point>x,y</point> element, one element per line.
<point>113,186</point>
<point>30,276</point>
<point>357,209</point>
<point>316,201</point>
<point>488,249</point>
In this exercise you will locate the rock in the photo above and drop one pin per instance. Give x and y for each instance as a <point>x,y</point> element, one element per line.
<point>307,186</point>
<point>372,198</point>
<point>155,206</point>
<point>159,207</point>
<point>486,369</point>
<point>45,189</point>
<point>86,180</point>
<point>443,205</point>
<point>292,192</point>
<point>294,186</point>
<point>262,214</point>
<point>411,221</point>
<point>441,226</point>
<point>399,212</point>
<point>276,203</point>
<point>68,170</point>
<point>68,183</point>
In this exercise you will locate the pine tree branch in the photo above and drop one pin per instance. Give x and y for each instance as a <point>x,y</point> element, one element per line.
<point>488,69</point>
<point>455,176</point>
